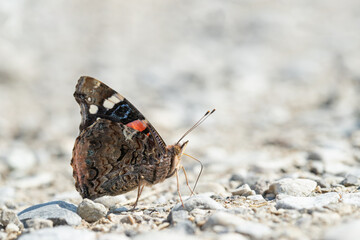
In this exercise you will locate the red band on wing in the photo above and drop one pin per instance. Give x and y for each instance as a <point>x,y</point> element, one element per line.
<point>137,125</point>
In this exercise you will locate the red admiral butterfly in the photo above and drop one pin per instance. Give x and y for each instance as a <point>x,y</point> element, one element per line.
<point>117,149</point>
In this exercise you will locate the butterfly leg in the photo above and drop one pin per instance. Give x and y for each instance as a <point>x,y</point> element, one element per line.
<point>187,182</point>
<point>178,187</point>
<point>140,189</point>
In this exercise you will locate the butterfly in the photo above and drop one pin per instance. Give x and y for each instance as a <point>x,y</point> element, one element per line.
<point>118,150</point>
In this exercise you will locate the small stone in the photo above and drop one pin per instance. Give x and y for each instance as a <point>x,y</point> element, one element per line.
<point>346,231</point>
<point>21,158</point>
<point>38,223</point>
<point>235,223</point>
<point>350,180</point>
<point>198,201</point>
<point>291,202</point>
<point>331,180</point>
<point>6,194</point>
<point>260,186</point>
<point>239,177</point>
<point>91,211</point>
<point>119,210</point>
<point>351,198</point>
<point>184,226</point>
<point>211,187</point>
<point>243,190</point>
<point>61,232</point>
<point>128,219</point>
<point>314,156</point>
<point>178,216</point>
<point>316,167</point>
<point>59,212</point>
<point>12,227</point>
<point>8,216</point>
<point>293,187</point>
<point>256,197</point>
<point>111,201</point>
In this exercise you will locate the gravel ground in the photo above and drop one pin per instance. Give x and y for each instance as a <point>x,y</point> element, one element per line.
<point>281,153</point>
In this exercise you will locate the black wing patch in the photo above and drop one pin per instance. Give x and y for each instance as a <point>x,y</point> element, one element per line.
<point>97,100</point>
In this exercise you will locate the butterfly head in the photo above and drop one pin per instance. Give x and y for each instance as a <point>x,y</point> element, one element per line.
<point>177,151</point>
<point>180,148</point>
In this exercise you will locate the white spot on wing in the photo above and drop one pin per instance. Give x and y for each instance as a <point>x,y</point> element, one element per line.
<point>111,101</point>
<point>93,109</point>
<point>108,104</point>
<point>115,98</point>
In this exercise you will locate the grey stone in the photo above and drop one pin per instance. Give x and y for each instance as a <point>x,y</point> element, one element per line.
<point>38,223</point>
<point>256,197</point>
<point>119,210</point>
<point>239,177</point>
<point>198,201</point>
<point>184,226</point>
<point>293,187</point>
<point>178,216</point>
<point>8,216</point>
<point>237,224</point>
<point>59,233</point>
<point>59,212</point>
<point>91,211</point>
<point>331,180</point>
<point>243,190</point>
<point>350,180</point>
<point>260,186</point>
<point>346,231</point>
<point>291,202</point>
<point>316,167</point>
<point>314,156</point>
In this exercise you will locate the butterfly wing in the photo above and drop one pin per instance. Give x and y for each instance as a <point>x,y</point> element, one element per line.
<point>97,100</point>
<point>117,147</point>
<point>110,158</point>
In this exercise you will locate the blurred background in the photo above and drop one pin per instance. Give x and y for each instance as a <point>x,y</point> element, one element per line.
<point>283,75</point>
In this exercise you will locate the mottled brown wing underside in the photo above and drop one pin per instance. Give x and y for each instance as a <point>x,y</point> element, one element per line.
<point>111,169</point>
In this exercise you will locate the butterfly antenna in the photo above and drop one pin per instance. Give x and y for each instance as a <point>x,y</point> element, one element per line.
<point>201,120</point>
<point>201,169</point>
